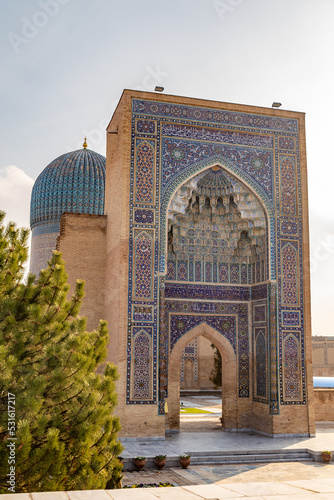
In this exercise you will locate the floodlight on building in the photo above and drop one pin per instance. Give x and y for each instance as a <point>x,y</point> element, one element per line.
<point>159,89</point>
<point>276,105</point>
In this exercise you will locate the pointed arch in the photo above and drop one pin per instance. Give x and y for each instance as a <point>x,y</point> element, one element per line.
<point>229,375</point>
<point>233,170</point>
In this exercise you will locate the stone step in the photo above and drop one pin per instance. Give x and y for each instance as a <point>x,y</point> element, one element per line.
<point>248,452</point>
<point>224,458</point>
<point>279,457</point>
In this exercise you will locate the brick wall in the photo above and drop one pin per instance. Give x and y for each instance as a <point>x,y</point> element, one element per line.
<point>82,243</point>
<point>324,404</point>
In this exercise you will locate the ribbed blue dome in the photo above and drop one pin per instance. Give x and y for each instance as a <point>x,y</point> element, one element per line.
<point>73,182</point>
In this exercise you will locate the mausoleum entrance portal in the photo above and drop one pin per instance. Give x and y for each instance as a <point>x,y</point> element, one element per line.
<point>207,234</point>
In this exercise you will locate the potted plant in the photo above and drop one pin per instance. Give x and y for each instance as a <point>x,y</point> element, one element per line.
<point>184,460</point>
<point>160,461</point>
<point>139,463</point>
<point>326,456</point>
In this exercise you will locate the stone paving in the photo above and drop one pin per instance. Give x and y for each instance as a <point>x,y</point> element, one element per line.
<point>224,474</point>
<point>269,481</point>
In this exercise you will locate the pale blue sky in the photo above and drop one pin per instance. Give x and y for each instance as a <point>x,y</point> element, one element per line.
<point>64,64</point>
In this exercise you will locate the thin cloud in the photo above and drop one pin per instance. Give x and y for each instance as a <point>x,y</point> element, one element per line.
<point>15,193</point>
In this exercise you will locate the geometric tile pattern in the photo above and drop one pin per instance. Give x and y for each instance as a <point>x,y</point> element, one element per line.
<point>181,324</point>
<point>142,216</point>
<point>288,186</point>
<point>145,127</point>
<point>290,318</point>
<point>261,364</point>
<point>142,366</point>
<point>273,347</point>
<point>143,266</point>
<point>73,182</point>
<point>216,135</point>
<point>289,228</point>
<point>195,113</point>
<point>179,154</point>
<point>291,368</point>
<point>259,313</point>
<point>207,292</point>
<point>287,143</point>
<point>145,174</point>
<point>289,273</point>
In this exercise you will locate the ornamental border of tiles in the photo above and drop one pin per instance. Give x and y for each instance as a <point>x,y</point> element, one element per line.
<point>171,143</point>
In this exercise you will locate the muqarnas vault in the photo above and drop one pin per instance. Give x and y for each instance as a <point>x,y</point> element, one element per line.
<point>204,234</point>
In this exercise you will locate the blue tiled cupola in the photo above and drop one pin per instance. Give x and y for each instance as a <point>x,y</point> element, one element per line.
<point>73,182</point>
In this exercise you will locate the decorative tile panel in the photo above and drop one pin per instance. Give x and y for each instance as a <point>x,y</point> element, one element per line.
<point>145,164</point>
<point>142,365</point>
<point>290,273</point>
<point>288,186</point>
<point>179,154</point>
<point>181,324</point>
<point>143,216</point>
<point>142,313</point>
<point>273,347</point>
<point>291,318</point>
<point>206,292</point>
<point>143,264</point>
<point>211,115</point>
<point>262,153</point>
<point>217,135</point>
<point>259,314</point>
<point>148,127</point>
<point>259,291</point>
<point>291,368</point>
<point>289,227</point>
<point>287,143</point>
<point>261,365</point>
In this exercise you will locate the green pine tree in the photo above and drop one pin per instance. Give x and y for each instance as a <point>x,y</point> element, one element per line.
<point>66,434</point>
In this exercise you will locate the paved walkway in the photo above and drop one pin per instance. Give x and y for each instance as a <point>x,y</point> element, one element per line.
<point>226,474</point>
<point>295,481</point>
<point>270,481</point>
<point>215,441</point>
<point>203,433</point>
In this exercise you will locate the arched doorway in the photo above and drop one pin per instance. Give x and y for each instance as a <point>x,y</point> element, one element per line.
<point>229,376</point>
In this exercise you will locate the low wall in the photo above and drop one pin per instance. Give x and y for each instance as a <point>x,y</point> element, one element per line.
<point>324,404</point>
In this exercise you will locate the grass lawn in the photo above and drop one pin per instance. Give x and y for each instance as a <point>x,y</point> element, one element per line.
<point>192,410</point>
